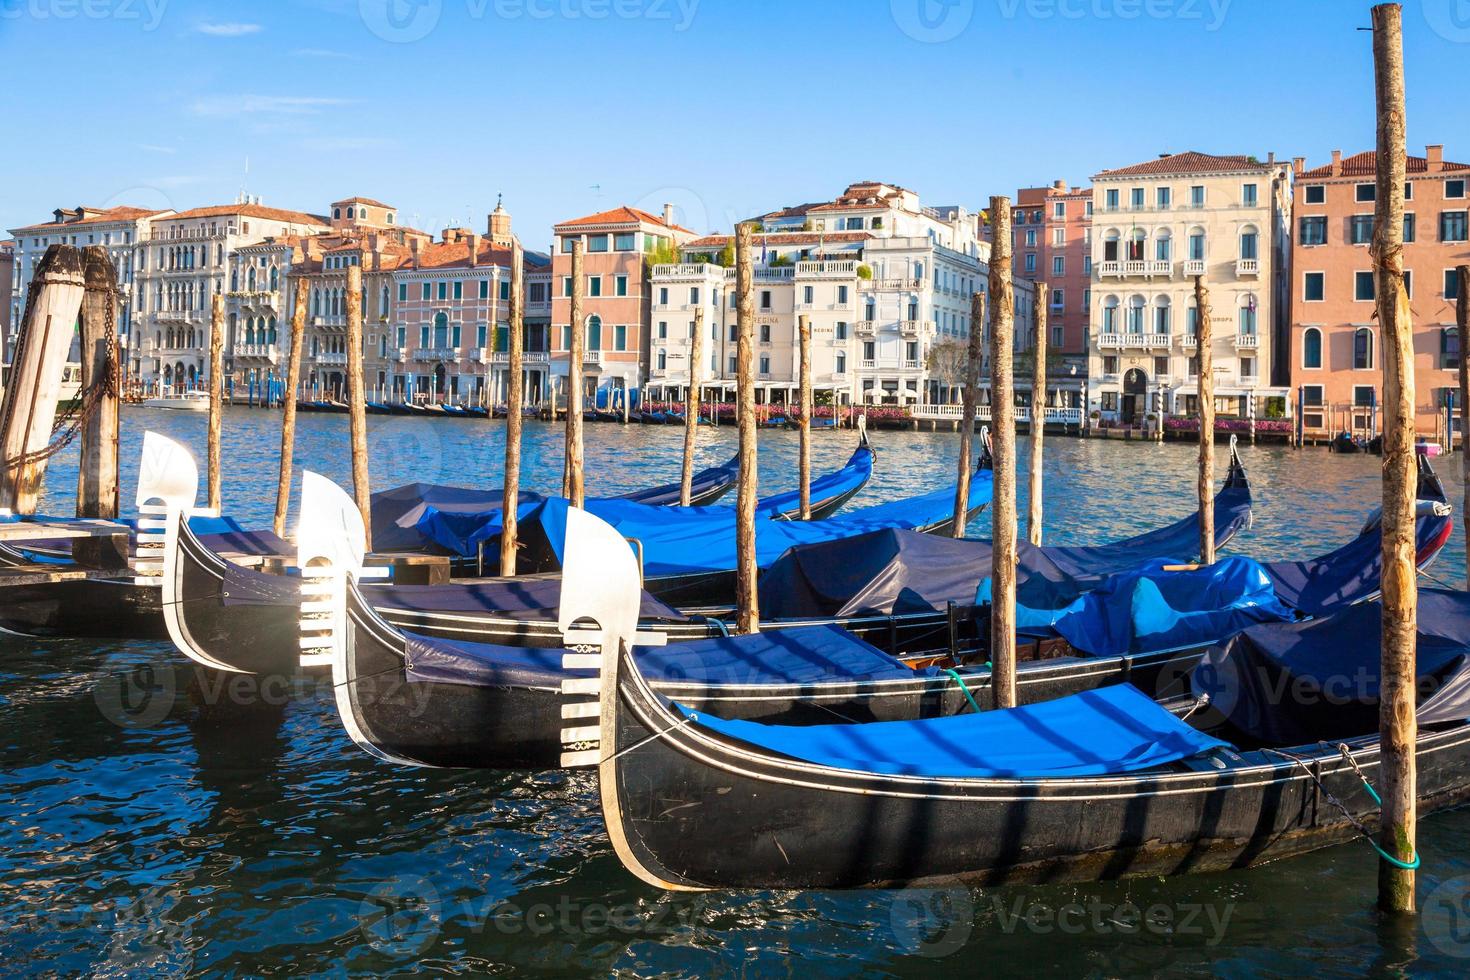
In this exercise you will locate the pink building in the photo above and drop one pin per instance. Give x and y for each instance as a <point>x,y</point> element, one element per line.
<point>1053,229</point>
<point>1334,336</point>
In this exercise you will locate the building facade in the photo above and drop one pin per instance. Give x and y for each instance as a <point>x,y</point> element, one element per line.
<point>9,289</point>
<point>882,280</point>
<point>1334,344</point>
<point>617,247</point>
<point>1156,227</point>
<point>1053,231</point>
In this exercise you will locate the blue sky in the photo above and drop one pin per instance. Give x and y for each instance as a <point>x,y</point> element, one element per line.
<point>723,107</point>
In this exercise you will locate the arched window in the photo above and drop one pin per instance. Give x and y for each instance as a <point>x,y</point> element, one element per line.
<point>1249,241</point>
<point>1135,314</point>
<point>1312,348</point>
<point>594,332</point>
<point>1363,349</point>
<point>1110,315</point>
<point>1248,316</point>
<point>250,279</point>
<point>1162,323</point>
<point>1135,245</point>
<point>1197,244</point>
<point>275,278</point>
<point>234,280</point>
<point>1163,246</point>
<point>316,301</point>
<point>441,329</point>
<point>1110,245</point>
<point>272,338</point>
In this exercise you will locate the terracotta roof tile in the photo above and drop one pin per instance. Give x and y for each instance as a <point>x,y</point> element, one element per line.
<point>1365,164</point>
<point>1188,162</point>
<point>621,215</point>
<point>364,200</point>
<point>781,238</point>
<point>252,211</point>
<point>107,215</point>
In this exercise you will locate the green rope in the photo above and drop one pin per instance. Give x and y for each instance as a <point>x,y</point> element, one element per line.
<point>1409,866</point>
<point>961,682</point>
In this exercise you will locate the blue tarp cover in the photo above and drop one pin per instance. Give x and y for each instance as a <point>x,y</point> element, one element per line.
<point>1296,683</point>
<point>1109,730</point>
<point>796,656</point>
<point>687,540</point>
<point>1150,609</point>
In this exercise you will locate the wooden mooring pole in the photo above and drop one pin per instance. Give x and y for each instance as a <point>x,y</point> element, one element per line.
<point>746,597</point>
<point>1038,418</point>
<point>216,396</point>
<point>1462,320</point>
<point>357,402</point>
<point>1003,418</point>
<point>33,386</point>
<point>691,407</point>
<point>288,404</point>
<point>513,394</point>
<point>1398,726</point>
<point>571,479</point>
<point>97,493</point>
<point>968,397</point>
<point>804,467</point>
<point>1205,368</point>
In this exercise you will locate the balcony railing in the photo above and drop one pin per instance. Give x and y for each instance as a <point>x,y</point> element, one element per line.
<point>527,357</point>
<point>865,326</point>
<point>890,284</point>
<point>1247,267</point>
<point>869,363</point>
<point>1247,341</point>
<point>330,357</point>
<point>915,327</point>
<point>1188,341</point>
<point>256,350</point>
<point>329,320</point>
<point>1133,341</point>
<point>688,270</point>
<point>1194,267</point>
<point>1135,267</point>
<point>840,269</point>
<point>436,353</point>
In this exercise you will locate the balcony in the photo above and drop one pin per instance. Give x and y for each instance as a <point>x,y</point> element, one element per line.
<point>436,353</point>
<point>889,285</point>
<point>527,357</point>
<point>865,327</point>
<point>769,273</point>
<point>1135,268</point>
<point>867,363</point>
<point>915,328</point>
<point>1188,341</point>
<point>1247,341</point>
<point>688,270</point>
<point>267,351</point>
<point>329,357</point>
<point>331,320</point>
<point>254,297</point>
<point>1244,381</point>
<point>827,270</point>
<point>1133,341</point>
<point>1247,267</point>
<point>1194,267</point>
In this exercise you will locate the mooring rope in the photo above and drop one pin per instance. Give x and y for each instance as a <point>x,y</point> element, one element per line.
<point>963,689</point>
<point>1358,824</point>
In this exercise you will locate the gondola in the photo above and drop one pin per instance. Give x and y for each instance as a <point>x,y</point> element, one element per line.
<point>808,672</point>
<point>1102,784</point>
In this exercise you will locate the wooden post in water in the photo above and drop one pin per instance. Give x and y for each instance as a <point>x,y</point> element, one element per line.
<point>516,343</point>
<point>804,330</point>
<point>691,407</point>
<point>357,402</point>
<point>288,407</point>
<point>33,384</point>
<point>216,395</point>
<point>968,396</point>
<point>746,597</point>
<point>1398,726</point>
<point>97,473</point>
<point>571,478</point>
<point>1038,417</point>
<point>1206,394</point>
<point>1462,320</point>
<point>1003,418</point>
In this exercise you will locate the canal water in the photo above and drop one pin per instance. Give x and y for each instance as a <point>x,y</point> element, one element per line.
<point>155,821</point>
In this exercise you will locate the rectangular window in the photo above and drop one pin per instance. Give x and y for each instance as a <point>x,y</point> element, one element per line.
<point>807,293</point>
<point>841,295</point>
<point>663,295</point>
<point>424,293</point>
<point>620,285</point>
<point>480,336</point>
<point>765,333</point>
<point>1161,197</point>
<point>1058,265</point>
<point>1360,229</point>
<point>1451,284</point>
<point>1449,348</point>
<point>505,289</point>
<point>1408,228</point>
<point>1030,261</point>
<point>1248,195</point>
<point>594,285</point>
<point>566,285</point>
<point>566,337</point>
<point>1197,195</point>
<point>1313,286</point>
<point>1059,209</point>
<point>443,289</point>
<point>424,335</point>
<point>663,329</point>
<point>620,337</point>
<point>567,242</point>
<point>403,292</point>
<point>1409,284</point>
<point>1161,366</point>
<point>839,331</point>
<point>1452,226</point>
<point>459,289</point>
<point>454,333</point>
<point>1363,286</point>
<point>484,289</point>
<point>1363,396</point>
<point>765,365</point>
<point>1135,198</point>
<point>765,299</point>
<point>1454,188</point>
<point>1247,367</point>
<point>597,243</point>
<point>1112,199</point>
<point>1314,230</point>
<point>624,241</point>
<point>1365,193</point>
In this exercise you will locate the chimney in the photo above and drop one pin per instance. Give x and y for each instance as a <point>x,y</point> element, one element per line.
<point>669,214</point>
<point>413,250</point>
<point>375,247</point>
<point>1298,165</point>
<point>1337,163</point>
<point>1434,157</point>
<point>474,243</point>
<point>1059,185</point>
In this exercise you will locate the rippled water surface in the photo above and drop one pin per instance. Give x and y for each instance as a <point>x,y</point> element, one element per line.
<point>156,822</point>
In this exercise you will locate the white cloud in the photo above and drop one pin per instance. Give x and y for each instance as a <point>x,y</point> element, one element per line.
<point>229,29</point>
<point>246,104</point>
